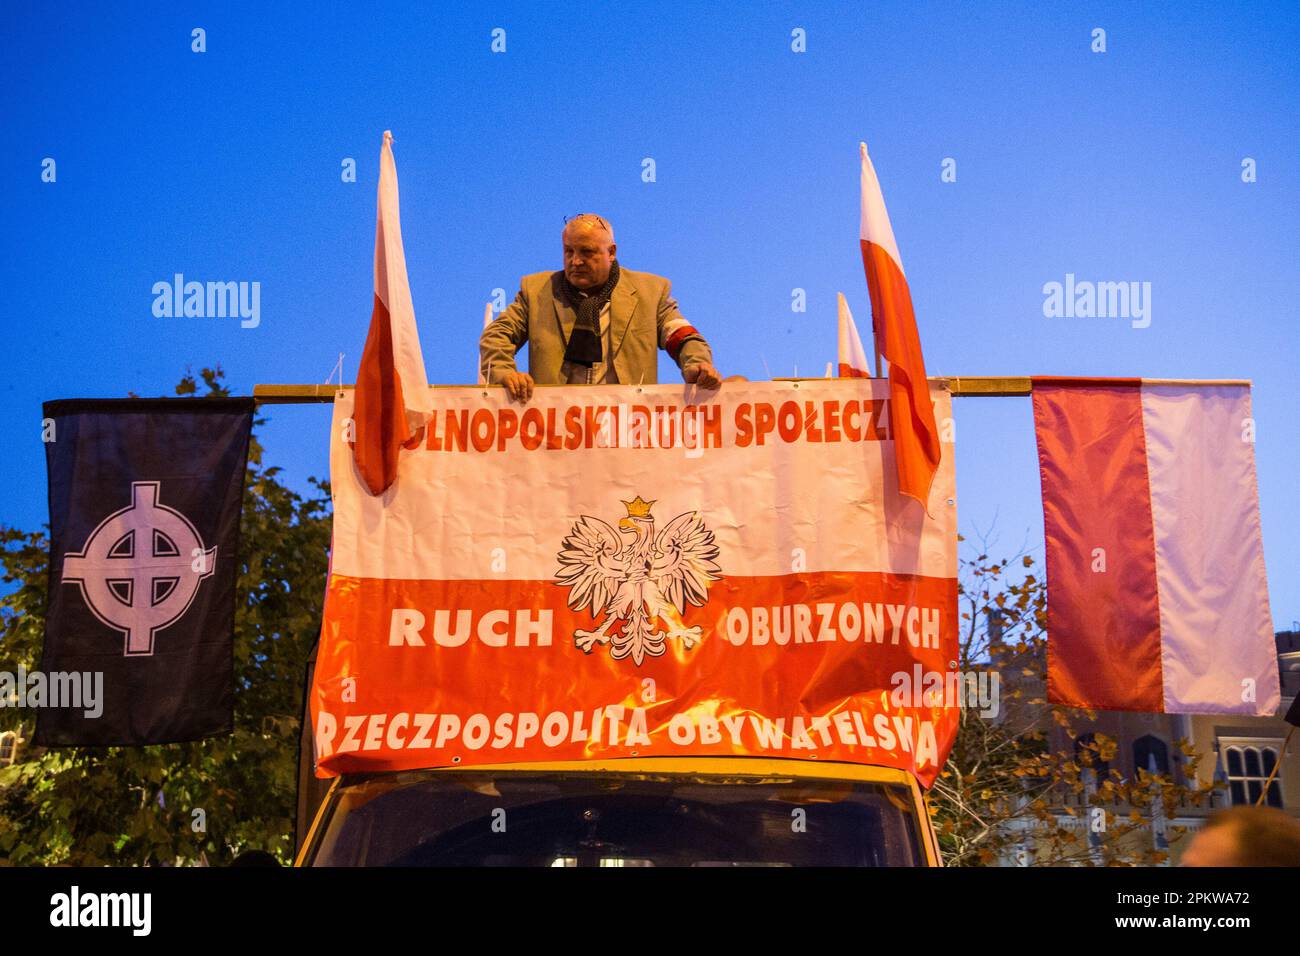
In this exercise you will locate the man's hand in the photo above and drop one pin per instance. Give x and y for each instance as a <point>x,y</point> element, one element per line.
<point>519,385</point>
<point>704,375</point>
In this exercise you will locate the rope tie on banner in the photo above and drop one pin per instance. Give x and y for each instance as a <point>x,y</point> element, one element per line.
<point>338,367</point>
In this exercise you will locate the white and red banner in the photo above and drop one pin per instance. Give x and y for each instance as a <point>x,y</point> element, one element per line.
<point>1157,598</point>
<point>612,571</point>
<point>894,325</point>
<point>852,356</point>
<point>392,393</point>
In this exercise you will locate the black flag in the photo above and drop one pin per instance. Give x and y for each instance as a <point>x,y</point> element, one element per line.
<point>145,500</point>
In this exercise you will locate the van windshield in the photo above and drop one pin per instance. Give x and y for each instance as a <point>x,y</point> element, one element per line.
<point>521,818</point>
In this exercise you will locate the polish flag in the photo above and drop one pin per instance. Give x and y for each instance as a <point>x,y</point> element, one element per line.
<point>1156,594</point>
<point>911,414</point>
<point>853,358</point>
<point>392,393</point>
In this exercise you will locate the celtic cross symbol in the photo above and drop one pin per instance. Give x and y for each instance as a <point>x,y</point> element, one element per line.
<point>140,569</point>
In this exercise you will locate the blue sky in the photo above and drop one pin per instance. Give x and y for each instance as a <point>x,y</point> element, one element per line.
<point>225,165</point>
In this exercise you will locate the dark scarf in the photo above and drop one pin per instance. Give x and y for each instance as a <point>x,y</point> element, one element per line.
<point>584,343</point>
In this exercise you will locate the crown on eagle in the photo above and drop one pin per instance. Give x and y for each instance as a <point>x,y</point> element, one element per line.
<point>638,507</point>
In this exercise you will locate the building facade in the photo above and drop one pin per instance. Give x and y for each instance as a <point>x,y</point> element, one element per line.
<point>1236,756</point>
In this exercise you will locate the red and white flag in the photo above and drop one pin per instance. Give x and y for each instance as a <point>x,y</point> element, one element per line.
<point>1156,594</point>
<point>853,358</point>
<point>392,393</point>
<point>911,414</point>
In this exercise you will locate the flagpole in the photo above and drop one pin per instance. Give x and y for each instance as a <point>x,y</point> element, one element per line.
<point>984,386</point>
<point>1263,794</point>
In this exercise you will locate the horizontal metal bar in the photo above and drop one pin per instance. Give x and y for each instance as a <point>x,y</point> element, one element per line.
<point>968,386</point>
<point>1205,382</point>
<point>988,386</point>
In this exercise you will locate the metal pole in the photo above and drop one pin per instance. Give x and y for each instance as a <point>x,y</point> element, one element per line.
<point>965,386</point>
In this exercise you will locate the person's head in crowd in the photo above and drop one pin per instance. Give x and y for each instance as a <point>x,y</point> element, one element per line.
<point>1246,836</point>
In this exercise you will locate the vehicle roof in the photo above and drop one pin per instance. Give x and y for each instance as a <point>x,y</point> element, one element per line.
<point>742,766</point>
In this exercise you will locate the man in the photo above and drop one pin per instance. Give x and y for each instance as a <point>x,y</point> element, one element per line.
<point>593,323</point>
<point>1246,836</point>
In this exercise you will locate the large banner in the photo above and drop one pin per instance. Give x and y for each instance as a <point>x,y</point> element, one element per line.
<point>614,571</point>
<point>1158,481</point>
<point>145,497</point>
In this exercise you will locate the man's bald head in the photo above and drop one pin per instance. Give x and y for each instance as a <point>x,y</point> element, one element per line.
<point>589,250</point>
<point>589,221</point>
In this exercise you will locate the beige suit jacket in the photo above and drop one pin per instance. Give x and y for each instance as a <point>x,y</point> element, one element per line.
<point>643,317</point>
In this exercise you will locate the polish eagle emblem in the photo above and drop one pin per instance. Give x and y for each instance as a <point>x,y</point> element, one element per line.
<point>638,579</point>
